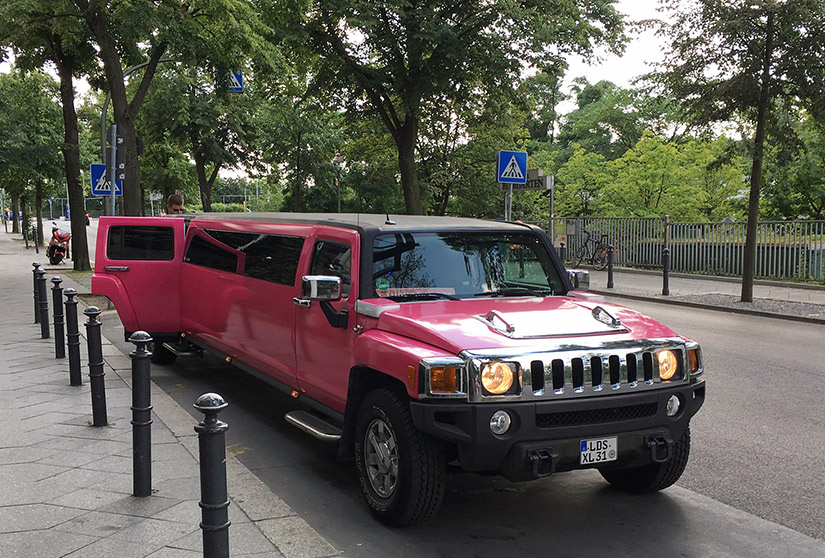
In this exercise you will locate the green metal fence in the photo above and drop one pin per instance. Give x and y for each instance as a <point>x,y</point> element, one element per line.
<point>786,250</point>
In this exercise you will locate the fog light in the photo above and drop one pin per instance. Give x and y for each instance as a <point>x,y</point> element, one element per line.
<point>673,405</point>
<point>500,422</point>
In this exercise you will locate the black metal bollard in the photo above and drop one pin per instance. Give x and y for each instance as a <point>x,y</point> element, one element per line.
<point>43,303</point>
<point>141,415</point>
<point>96,372</point>
<point>57,302</point>
<point>666,272</point>
<point>73,337</point>
<point>214,499</point>
<point>562,252</point>
<point>36,266</point>
<point>610,254</point>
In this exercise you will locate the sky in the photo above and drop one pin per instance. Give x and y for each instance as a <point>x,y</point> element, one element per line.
<point>643,49</point>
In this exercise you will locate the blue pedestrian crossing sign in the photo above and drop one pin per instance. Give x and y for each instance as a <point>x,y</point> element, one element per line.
<point>235,82</point>
<point>101,185</point>
<point>512,167</point>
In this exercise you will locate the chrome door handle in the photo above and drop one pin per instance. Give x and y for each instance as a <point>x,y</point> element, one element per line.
<point>116,268</point>
<point>302,302</point>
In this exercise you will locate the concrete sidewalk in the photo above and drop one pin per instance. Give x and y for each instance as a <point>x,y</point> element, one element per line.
<point>68,485</point>
<point>801,302</point>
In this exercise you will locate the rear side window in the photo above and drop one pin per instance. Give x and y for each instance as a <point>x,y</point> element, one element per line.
<point>141,243</point>
<point>204,253</point>
<point>267,257</point>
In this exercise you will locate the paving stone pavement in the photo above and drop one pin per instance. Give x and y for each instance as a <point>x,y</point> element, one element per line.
<point>67,485</point>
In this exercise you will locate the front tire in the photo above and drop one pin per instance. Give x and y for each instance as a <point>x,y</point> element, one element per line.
<point>655,476</point>
<point>402,471</point>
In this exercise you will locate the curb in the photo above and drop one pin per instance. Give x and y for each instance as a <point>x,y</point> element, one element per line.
<point>699,305</point>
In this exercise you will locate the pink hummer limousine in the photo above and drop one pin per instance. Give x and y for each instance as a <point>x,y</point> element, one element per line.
<point>415,342</point>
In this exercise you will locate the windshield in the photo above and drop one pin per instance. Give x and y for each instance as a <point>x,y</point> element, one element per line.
<point>409,266</point>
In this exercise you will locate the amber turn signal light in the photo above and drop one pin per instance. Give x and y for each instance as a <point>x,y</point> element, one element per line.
<point>443,379</point>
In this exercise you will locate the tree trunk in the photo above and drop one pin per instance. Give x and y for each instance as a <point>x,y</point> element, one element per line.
<point>71,158</point>
<point>749,261</point>
<point>38,214</point>
<point>405,139</point>
<point>15,214</point>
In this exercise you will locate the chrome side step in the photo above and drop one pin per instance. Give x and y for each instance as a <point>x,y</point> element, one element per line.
<point>314,425</point>
<point>181,349</point>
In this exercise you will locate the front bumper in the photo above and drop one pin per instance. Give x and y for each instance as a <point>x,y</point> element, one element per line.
<point>556,428</point>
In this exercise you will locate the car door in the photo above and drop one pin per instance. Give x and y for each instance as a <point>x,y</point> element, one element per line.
<point>324,350</point>
<point>137,266</point>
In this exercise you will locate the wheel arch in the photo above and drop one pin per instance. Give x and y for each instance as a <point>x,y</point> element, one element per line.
<point>363,380</point>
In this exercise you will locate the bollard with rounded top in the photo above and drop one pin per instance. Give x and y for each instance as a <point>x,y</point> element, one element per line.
<point>96,372</point>
<point>57,302</point>
<point>73,337</point>
<point>43,303</point>
<point>562,253</point>
<point>36,266</point>
<point>666,272</point>
<point>610,255</point>
<point>141,415</point>
<point>214,499</point>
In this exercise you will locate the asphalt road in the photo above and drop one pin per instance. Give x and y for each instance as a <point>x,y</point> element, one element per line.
<point>759,441</point>
<point>757,456</point>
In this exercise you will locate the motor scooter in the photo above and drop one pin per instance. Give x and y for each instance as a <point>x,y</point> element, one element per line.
<point>58,245</point>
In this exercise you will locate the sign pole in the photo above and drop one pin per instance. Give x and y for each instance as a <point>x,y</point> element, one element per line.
<point>113,165</point>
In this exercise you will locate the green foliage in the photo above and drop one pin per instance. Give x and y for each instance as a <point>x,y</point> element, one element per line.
<point>396,58</point>
<point>30,130</point>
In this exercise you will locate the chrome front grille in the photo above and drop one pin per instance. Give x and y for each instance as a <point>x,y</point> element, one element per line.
<point>572,372</point>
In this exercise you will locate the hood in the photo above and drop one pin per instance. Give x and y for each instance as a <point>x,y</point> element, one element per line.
<point>514,323</point>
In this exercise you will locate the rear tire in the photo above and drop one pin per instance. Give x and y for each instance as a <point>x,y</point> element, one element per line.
<point>402,471</point>
<point>160,354</point>
<point>655,476</point>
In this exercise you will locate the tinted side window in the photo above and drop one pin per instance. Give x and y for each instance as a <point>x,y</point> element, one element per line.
<point>266,257</point>
<point>332,258</point>
<point>202,252</point>
<point>141,243</point>
<point>273,258</point>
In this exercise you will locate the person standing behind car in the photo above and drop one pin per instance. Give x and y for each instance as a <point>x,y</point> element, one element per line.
<point>174,203</point>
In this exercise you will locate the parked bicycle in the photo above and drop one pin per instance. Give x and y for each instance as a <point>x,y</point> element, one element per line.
<point>592,251</point>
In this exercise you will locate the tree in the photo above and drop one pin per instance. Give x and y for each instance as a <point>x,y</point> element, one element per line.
<point>739,57</point>
<point>581,183</point>
<point>213,34</point>
<point>189,115</point>
<point>42,31</point>
<point>30,138</point>
<point>398,56</point>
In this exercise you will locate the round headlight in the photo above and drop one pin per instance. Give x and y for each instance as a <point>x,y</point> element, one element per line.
<point>668,365</point>
<point>497,377</point>
<point>500,422</point>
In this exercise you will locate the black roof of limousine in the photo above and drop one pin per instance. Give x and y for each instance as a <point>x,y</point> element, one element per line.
<point>365,221</point>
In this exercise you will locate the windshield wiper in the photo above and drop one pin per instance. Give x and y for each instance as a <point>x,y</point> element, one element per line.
<point>423,296</point>
<point>515,291</point>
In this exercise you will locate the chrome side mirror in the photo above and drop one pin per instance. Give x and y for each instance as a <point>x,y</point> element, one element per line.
<point>580,279</point>
<point>321,288</point>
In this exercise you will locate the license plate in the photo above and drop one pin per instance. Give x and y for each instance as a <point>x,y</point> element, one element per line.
<point>598,450</point>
